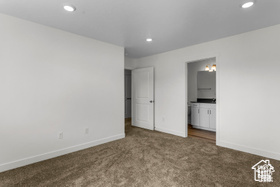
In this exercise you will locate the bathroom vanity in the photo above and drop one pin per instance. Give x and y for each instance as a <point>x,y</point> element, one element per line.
<point>203,116</point>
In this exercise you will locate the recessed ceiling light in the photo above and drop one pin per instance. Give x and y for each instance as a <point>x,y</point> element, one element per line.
<point>69,8</point>
<point>149,39</point>
<point>248,4</point>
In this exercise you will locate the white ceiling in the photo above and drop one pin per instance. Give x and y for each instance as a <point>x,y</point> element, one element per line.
<point>171,23</point>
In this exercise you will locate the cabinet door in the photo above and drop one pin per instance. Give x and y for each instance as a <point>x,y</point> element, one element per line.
<point>204,118</point>
<point>212,118</point>
<point>195,116</point>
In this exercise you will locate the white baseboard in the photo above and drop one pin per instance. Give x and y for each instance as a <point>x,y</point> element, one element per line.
<point>263,153</point>
<point>168,131</point>
<point>145,127</point>
<point>45,156</point>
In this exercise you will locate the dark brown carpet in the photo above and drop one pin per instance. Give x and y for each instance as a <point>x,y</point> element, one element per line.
<point>144,158</point>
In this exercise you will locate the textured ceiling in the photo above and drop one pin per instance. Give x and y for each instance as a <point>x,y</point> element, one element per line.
<point>171,23</point>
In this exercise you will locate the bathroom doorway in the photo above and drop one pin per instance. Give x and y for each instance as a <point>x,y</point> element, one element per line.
<point>201,100</point>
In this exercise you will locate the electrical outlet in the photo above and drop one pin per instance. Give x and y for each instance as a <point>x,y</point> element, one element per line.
<point>60,135</point>
<point>87,131</point>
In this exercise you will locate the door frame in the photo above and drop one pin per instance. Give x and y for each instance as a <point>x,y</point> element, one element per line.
<point>218,97</point>
<point>125,92</point>
<point>126,68</point>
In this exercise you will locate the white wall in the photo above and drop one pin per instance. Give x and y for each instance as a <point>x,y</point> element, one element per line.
<point>192,69</point>
<point>247,89</point>
<point>129,63</point>
<point>51,82</point>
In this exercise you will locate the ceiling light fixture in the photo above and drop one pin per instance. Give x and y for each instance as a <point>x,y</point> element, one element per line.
<point>210,69</point>
<point>248,4</point>
<point>69,8</point>
<point>149,39</point>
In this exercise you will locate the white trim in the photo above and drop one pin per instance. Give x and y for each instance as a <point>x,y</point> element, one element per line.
<point>45,156</point>
<point>259,152</point>
<point>186,100</point>
<point>169,131</point>
<point>218,98</point>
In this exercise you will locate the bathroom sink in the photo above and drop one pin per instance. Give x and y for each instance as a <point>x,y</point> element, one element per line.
<point>210,101</point>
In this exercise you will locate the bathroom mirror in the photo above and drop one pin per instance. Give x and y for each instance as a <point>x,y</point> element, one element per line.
<point>206,84</point>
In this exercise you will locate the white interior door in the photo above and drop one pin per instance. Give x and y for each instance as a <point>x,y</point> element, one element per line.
<point>143,98</point>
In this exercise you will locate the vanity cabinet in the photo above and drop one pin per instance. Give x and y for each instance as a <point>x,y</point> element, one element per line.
<point>195,114</point>
<point>203,116</point>
<point>212,121</point>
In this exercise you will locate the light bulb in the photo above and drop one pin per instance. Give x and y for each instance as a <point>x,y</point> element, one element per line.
<point>149,39</point>
<point>248,4</point>
<point>214,68</point>
<point>69,8</point>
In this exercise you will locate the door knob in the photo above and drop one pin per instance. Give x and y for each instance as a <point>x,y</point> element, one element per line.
<point>151,101</point>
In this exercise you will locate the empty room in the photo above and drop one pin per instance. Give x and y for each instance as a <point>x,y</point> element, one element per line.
<point>152,93</point>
